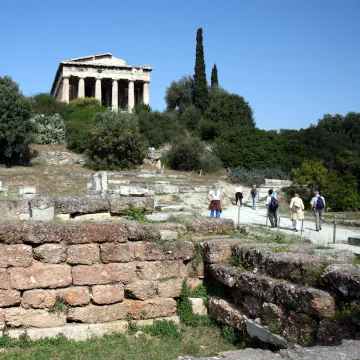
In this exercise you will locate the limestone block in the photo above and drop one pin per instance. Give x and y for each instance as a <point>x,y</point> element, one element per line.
<point>170,208</point>
<point>162,216</point>
<point>198,306</point>
<point>119,204</point>
<point>103,273</point>
<point>115,252</point>
<point>13,209</point>
<point>62,217</point>
<point>227,313</point>
<point>226,274</point>
<point>9,298</point>
<point>86,254</point>
<point>40,276</point>
<point>42,208</point>
<point>210,226</point>
<point>273,312</point>
<point>50,253</point>
<point>93,217</point>
<point>99,182</point>
<point>107,294</point>
<point>170,288</point>
<point>33,318</point>
<point>15,255</point>
<point>141,289</point>
<point>132,191</point>
<point>81,204</point>
<point>166,188</point>
<point>177,227</point>
<point>217,251</point>
<point>253,306</point>
<point>157,270</point>
<point>4,279</point>
<point>151,308</point>
<point>168,235</point>
<point>27,190</point>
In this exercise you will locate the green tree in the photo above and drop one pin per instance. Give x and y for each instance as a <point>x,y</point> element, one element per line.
<point>47,104</point>
<point>201,92</point>
<point>115,142</point>
<point>179,95</point>
<point>214,76</point>
<point>15,126</point>
<point>191,118</point>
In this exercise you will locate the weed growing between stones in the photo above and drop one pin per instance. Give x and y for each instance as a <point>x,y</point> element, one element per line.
<point>59,307</point>
<point>164,329</point>
<point>356,260</point>
<point>275,327</point>
<point>348,314</point>
<point>132,213</point>
<point>132,328</point>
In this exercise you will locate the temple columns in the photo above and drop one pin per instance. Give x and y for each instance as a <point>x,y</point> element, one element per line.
<point>66,89</point>
<point>98,94</point>
<point>81,88</point>
<point>131,96</point>
<point>115,96</point>
<point>146,95</point>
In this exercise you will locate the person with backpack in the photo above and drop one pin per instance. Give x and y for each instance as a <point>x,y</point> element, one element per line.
<point>296,211</point>
<point>255,196</point>
<point>272,204</point>
<point>318,206</point>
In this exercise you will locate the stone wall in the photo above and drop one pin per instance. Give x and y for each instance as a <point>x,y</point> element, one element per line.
<point>57,158</point>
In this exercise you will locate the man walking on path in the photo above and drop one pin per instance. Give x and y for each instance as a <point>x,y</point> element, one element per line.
<point>296,211</point>
<point>255,196</point>
<point>272,204</point>
<point>318,206</point>
<point>238,194</point>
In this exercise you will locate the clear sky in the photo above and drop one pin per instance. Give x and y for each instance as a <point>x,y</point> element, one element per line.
<point>292,60</point>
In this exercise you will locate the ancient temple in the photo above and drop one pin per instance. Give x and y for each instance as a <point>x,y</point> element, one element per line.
<point>114,83</point>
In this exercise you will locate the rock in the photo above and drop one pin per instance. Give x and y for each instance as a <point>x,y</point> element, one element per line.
<point>170,207</point>
<point>27,192</point>
<point>15,255</point>
<point>226,313</point>
<point>62,217</point>
<point>151,308</point>
<point>336,255</point>
<point>168,235</point>
<point>9,298</point>
<point>332,333</point>
<point>131,191</point>
<point>272,312</point>
<point>198,306</point>
<point>170,288</point>
<point>57,158</point>
<point>81,204</point>
<point>4,279</point>
<point>141,289</point>
<point>50,253</point>
<point>93,217</point>
<point>107,294</point>
<point>162,216</point>
<point>166,188</point>
<point>343,277</point>
<point>300,328</point>
<point>99,183</point>
<point>33,318</point>
<point>176,227</point>
<point>14,209</point>
<point>217,251</point>
<point>253,306</point>
<point>86,254</point>
<point>158,270</point>
<point>103,274</point>
<point>120,204</point>
<point>40,276</point>
<point>42,208</point>
<point>210,226</point>
<point>258,332</point>
<point>226,274</point>
<point>115,252</point>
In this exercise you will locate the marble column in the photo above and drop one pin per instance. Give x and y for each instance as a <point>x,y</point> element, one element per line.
<point>81,88</point>
<point>66,89</point>
<point>115,96</point>
<point>98,94</point>
<point>131,96</point>
<point>146,96</point>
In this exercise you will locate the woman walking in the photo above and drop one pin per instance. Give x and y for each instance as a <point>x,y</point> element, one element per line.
<point>214,198</point>
<point>296,211</point>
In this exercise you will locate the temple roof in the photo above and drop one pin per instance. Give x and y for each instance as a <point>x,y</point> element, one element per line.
<point>105,59</point>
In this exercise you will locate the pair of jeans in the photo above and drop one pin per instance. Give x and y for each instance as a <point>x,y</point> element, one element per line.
<point>212,213</point>
<point>238,197</point>
<point>272,214</point>
<point>254,202</point>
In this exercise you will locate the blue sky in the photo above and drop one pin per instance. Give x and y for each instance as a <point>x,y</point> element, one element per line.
<point>292,60</point>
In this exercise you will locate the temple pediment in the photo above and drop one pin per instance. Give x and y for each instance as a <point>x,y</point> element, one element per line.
<point>101,59</point>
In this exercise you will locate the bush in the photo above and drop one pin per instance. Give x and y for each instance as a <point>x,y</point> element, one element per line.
<point>48,129</point>
<point>47,104</point>
<point>256,176</point>
<point>115,142</point>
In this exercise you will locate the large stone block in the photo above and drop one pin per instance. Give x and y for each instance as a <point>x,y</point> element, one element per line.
<point>115,252</point>
<point>9,298</point>
<point>332,333</point>
<point>4,279</point>
<point>217,251</point>
<point>226,274</point>
<point>33,318</point>
<point>120,204</point>
<point>210,226</point>
<point>151,308</point>
<point>50,253</point>
<point>141,289</point>
<point>309,301</point>
<point>86,254</point>
<point>273,312</point>
<point>15,255</point>
<point>107,294</point>
<point>157,270</point>
<point>103,274</point>
<point>142,232</point>
<point>170,288</point>
<point>227,313</point>
<point>40,276</point>
<point>300,328</point>
<point>81,204</point>
<point>13,210</point>
<point>42,208</point>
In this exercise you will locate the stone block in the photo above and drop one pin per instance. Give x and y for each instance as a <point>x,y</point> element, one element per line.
<point>107,294</point>
<point>115,252</point>
<point>227,313</point>
<point>158,270</point>
<point>103,274</point>
<point>217,251</point>
<point>226,274</point>
<point>132,191</point>
<point>273,312</point>
<point>19,317</point>
<point>119,204</point>
<point>198,306</point>
<point>170,288</point>
<point>210,226</point>
<point>9,298</point>
<point>42,208</point>
<point>336,255</point>
<point>81,204</point>
<point>177,227</point>
<point>170,207</point>
<point>151,308</point>
<point>62,217</point>
<point>50,253</point>
<point>15,255</point>
<point>141,289</point>
<point>300,328</point>
<point>99,182</point>
<point>309,301</point>
<point>331,333</point>
<point>163,216</point>
<point>168,235</point>
<point>4,279</point>
<point>253,306</point>
<point>40,276</point>
<point>27,190</point>
<point>166,188</point>
<point>86,254</point>
<point>93,217</point>
<point>13,209</point>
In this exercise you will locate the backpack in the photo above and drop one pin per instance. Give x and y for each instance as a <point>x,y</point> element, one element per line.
<point>274,203</point>
<point>320,203</point>
<point>253,191</point>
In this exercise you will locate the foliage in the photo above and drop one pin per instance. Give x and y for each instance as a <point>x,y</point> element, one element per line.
<point>49,129</point>
<point>142,107</point>
<point>47,105</point>
<point>59,307</point>
<point>191,118</point>
<point>164,329</point>
<point>15,126</point>
<point>201,93</point>
<point>256,176</point>
<point>115,142</point>
<point>180,94</point>
<point>214,76</point>
<point>133,213</point>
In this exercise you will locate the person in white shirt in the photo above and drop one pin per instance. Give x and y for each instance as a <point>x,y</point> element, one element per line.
<point>318,206</point>
<point>238,194</point>
<point>214,198</point>
<point>296,211</point>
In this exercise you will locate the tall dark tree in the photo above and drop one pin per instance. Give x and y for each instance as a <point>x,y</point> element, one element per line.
<point>201,92</point>
<point>214,76</point>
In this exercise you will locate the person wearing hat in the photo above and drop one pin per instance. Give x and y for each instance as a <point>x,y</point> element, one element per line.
<point>296,211</point>
<point>214,198</point>
<point>255,196</point>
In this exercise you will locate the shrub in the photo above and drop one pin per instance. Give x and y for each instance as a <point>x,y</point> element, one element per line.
<point>256,176</point>
<point>115,142</point>
<point>48,129</point>
<point>47,104</point>
<point>164,329</point>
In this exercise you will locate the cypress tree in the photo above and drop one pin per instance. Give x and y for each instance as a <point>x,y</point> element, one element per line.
<point>201,92</point>
<point>214,76</point>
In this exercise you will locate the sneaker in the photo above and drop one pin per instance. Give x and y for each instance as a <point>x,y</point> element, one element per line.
<point>317,230</point>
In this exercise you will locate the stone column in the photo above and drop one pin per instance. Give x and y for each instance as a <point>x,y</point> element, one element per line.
<point>98,95</point>
<point>66,88</point>
<point>115,95</point>
<point>81,88</point>
<point>131,98</point>
<point>146,94</point>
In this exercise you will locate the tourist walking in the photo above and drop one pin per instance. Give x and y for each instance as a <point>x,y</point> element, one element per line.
<point>272,203</point>
<point>254,193</point>
<point>296,211</point>
<point>238,194</point>
<point>318,206</point>
<point>214,198</point>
